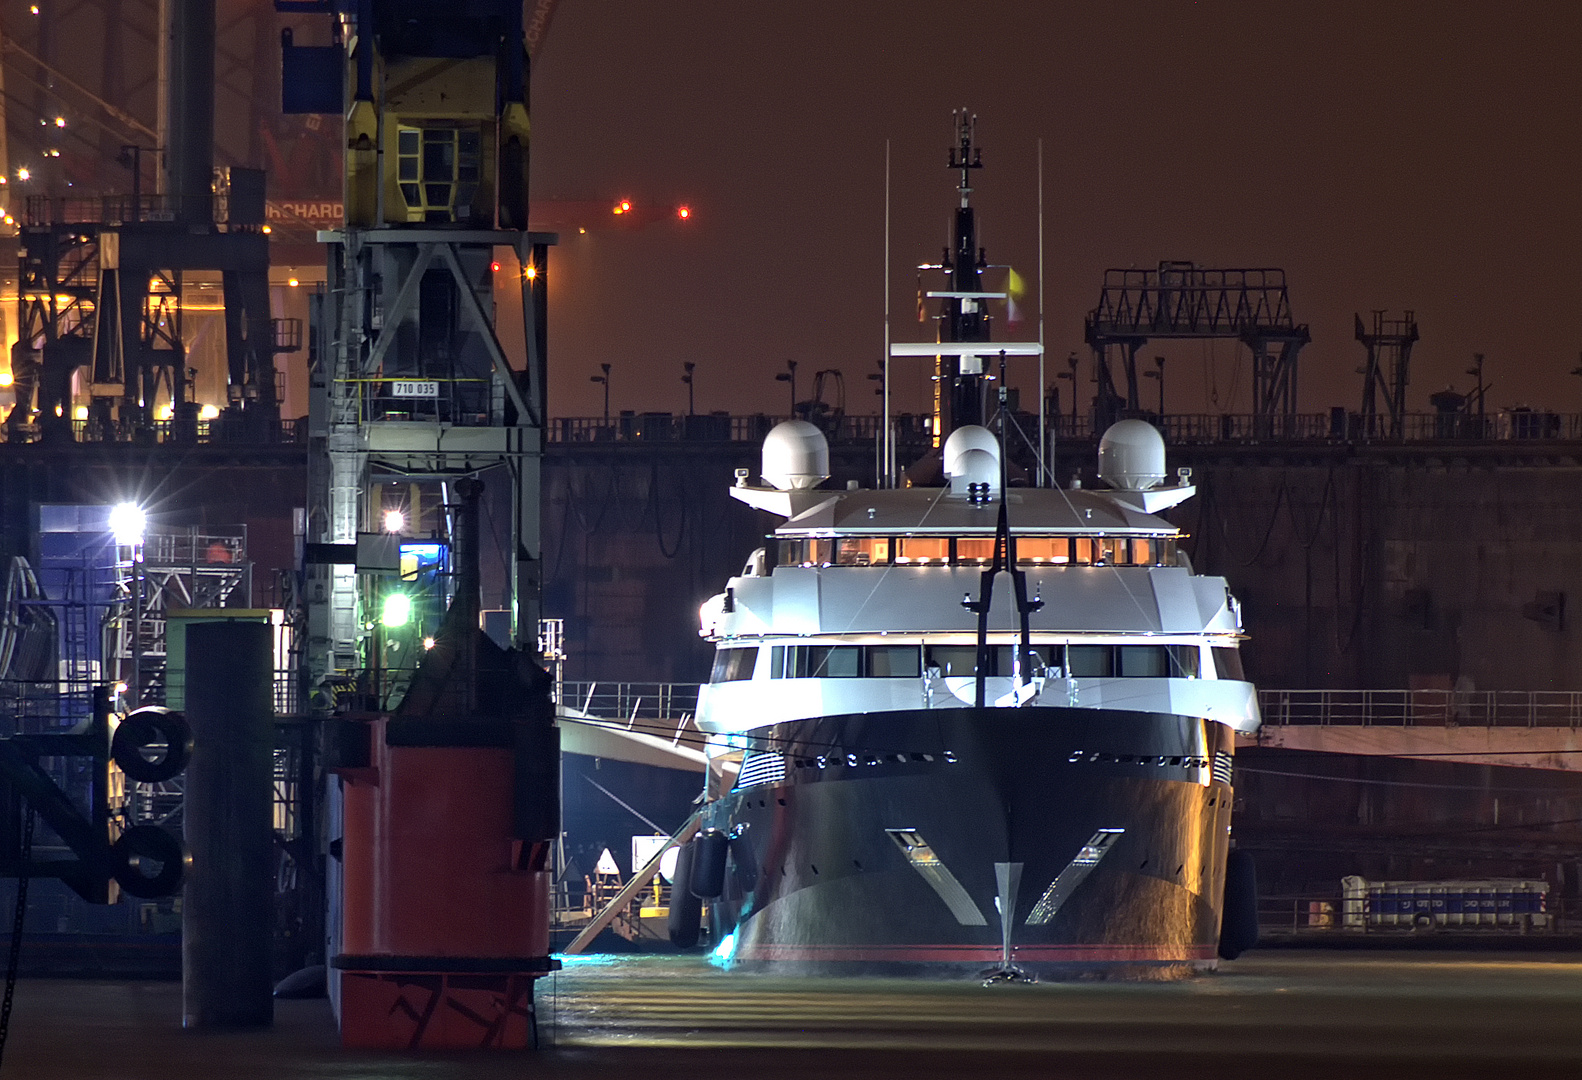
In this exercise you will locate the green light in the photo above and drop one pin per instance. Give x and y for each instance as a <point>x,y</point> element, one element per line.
<point>397,609</point>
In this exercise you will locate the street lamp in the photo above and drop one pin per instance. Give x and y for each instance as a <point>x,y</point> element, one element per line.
<point>789,376</point>
<point>605,379</point>
<point>688,366</point>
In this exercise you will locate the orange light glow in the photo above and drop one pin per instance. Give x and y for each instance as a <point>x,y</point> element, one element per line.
<point>623,207</point>
<point>683,212</point>
<point>494,267</point>
<point>532,272</point>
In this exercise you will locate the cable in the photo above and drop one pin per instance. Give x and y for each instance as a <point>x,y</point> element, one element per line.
<point>14,962</point>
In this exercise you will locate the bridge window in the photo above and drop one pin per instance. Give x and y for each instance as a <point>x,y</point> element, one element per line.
<point>1227,663</point>
<point>734,665</point>
<point>893,661</point>
<point>845,662</point>
<point>1133,661</point>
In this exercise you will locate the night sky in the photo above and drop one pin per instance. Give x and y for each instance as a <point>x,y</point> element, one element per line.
<point>1386,155</point>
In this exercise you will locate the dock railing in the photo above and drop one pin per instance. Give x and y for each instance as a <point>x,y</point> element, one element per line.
<point>1423,708</point>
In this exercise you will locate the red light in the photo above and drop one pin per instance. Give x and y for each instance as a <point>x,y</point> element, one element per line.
<point>495,266</point>
<point>683,212</point>
<point>623,207</point>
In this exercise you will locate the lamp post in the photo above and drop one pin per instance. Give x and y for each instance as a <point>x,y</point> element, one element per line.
<point>1071,376</point>
<point>1476,371</point>
<point>128,524</point>
<point>605,379</point>
<point>688,367</point>
<point>789,376</point>
<point>131,156</point>
<point>1159,362</point>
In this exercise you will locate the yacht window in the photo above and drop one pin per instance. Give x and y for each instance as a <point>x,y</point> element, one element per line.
<point>862,551</point>
<point>1143,662</point>
<point>1090,661</point>
<point>824,662</point>
<point>1043,549</point>
<point>1084,549</point>
<point>733,665</point>
<point>793,553</point>
<point>1142,551</point>
<point>1227,663</point>
<point>953,660</point>
<point>1184,661</point>
<point>1108,547</point>
<point>922,549</point>
<point>893,661</point>
<point>974,549</point>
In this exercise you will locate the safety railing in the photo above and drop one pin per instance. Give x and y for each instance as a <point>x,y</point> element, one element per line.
<point>654,708</point>
<point>219,431</point>
<point>1180,429</point>
<point>1423,708</point>
<point>1311,915</point>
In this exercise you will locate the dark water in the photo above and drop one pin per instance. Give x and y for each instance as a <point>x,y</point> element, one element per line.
<point>1276,1016</point>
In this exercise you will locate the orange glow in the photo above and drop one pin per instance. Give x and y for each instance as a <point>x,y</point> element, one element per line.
<point>623,207</point>
<point>532,272</point>
<point>292,282</point>
<point>494,267</point>
<point>683,212</point>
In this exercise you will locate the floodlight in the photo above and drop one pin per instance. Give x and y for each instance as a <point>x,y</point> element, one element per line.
<point>127,522</point>
<point>397,609</point>
<point>394,521</point>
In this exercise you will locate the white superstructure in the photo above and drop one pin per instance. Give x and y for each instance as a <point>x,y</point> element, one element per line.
<point>856,605</point>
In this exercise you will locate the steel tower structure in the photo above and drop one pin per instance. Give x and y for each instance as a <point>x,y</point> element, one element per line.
<point>409,380</point>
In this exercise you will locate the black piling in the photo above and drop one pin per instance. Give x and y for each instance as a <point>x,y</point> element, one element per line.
<point>227,912</point>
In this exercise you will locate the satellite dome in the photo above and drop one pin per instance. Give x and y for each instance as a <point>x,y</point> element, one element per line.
<point>974,466</point>
<point>795,456</point>
<point>968,437</point>
<point>1132,456</point>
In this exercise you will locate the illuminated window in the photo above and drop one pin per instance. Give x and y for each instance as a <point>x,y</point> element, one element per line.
<point>975,549</point>
<point>1043,549</point>
<point>862,551</point>
<point>922,549</point>
<point>1084,550</point>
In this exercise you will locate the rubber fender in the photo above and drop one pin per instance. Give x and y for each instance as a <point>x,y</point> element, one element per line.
<point>686,909</point>
<point>164,734</point>
<point>713,848</point>
<point>152,843</point>
<point>1238,926</point>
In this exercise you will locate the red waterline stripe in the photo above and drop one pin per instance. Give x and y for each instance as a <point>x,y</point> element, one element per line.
<point>976,953</point>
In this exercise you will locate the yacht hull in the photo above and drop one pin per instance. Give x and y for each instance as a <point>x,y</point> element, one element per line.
<point>893,839</point>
